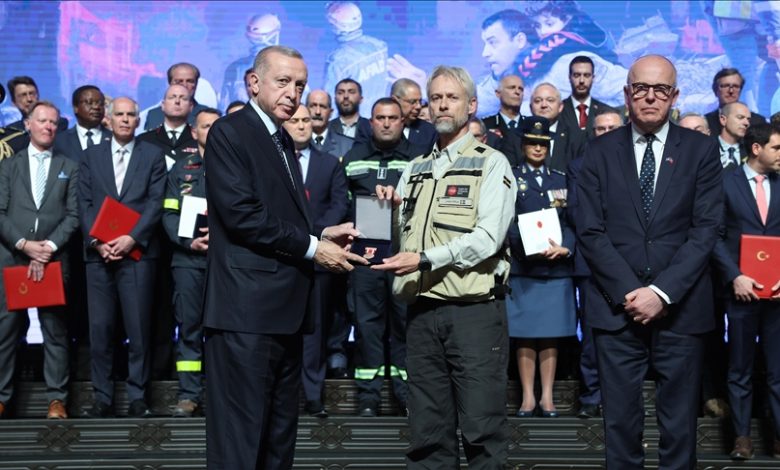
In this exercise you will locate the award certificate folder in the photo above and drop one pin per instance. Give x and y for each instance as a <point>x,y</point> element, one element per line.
<point>537,229</point>
<point>113,220</point>
<point>759,258</point>
<point>22,293</point>
<point>191,207</point>
<point>373,219</point>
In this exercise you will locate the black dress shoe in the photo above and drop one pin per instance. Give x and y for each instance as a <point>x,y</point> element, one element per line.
<point>549,413</point>
<point>589,411</point>
<point>98,410</point>
<point>367,409</point>
<point>138,409</point>
<point>338,373</point>
<point>526,413</point>
<point>314,408</point>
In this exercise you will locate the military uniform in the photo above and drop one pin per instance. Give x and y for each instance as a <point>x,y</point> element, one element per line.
<point>11,141</point>
<point>187,178</point>
<point>369,294</point>
<point>458,204</point>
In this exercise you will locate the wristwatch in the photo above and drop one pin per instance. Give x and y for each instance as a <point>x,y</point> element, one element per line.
<point>425,263</point>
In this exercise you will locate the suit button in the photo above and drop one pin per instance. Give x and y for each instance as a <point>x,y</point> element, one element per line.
<point>647,269</point>
<point>649,242</point>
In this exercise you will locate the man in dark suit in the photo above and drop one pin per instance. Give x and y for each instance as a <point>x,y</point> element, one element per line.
<point>89,106</point>
<point>186,75</point>
<point>132,173</point>
<point>650,200</point>
<point>320,109</point>
<point>752,200</point>
<point>418,132</point>
<point>510,96</point>
<point>174,135</point>
<point>326,191</point>
<point>734,120</point>
<point>580,109</point>
<point>24,94</point>
<point>38,215</point>
<point>349,95</point>
<point>566,143</point>
<point>259,273</point>
<point>727,86</point>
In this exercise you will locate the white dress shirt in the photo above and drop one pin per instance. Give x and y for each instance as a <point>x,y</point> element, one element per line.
<point>81,132</point>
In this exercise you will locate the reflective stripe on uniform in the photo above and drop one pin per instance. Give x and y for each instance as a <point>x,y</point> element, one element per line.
<point>188,366</point>
<point>397,372</point>
<point>367,373</point>
<point>171,203</point>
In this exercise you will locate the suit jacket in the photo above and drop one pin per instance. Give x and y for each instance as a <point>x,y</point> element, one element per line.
<point>570,115</point>
<point>740,216</point>
<point>185,143</point>
<point>423,134</point>
<point>568,145</point>
<point>142,190</point>
<point>259,231</point>
<point>362,134</point>
<point>497,125</point>
<point>713,120</point>
<point>335,144</point>
<point>58,217</point>
<point>743,155</point>
<point>68,143</point>
<point>670,250</point>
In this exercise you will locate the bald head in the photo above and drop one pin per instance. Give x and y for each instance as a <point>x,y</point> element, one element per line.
<point>176,105</point>
<point>695,122</point>
<point>651,92</point>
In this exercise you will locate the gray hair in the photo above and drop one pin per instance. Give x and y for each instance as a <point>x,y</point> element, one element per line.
<point>111,105</point>
<point>459,74</point>
<point>401,86</point>
<point>261,60</point>
<point>557,91</point>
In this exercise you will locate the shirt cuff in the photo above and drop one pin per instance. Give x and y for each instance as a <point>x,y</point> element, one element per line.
<point>19,243</point>
<point>312,247</point>
<point>661,294</point>
<point>52,245</point>
<point>439,256</point>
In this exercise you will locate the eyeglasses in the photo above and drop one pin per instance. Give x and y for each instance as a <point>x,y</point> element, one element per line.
<point>412,102</point>
<point>662,92</point>
<point>729,86</point>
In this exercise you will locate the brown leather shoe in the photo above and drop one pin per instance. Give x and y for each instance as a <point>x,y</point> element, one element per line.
<point>743,448</point>
<point>57,410</point>
<point>2,409</point>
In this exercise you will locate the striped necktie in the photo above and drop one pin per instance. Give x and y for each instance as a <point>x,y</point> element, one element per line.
<point>40,179</point>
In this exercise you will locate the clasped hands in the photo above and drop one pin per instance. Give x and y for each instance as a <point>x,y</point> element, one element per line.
<point>644,305</point>
<point>116,249</point>
<point>40,253</point>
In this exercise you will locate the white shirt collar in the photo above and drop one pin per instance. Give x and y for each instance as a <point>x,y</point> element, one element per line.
<point>725,146</point>
<point>638,136</point>
<point>179,130</point>
<point>82,132</point>
<point>508,119</point>
<point>31,150</point>
<point>116,146</point>
<point>452,150</point>
<point>324,135</point>
<point>269,123</point>
<point>576,103</point>
<point>749,172</point>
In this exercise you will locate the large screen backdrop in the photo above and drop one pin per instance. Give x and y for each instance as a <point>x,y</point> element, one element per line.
<point>126,47</point>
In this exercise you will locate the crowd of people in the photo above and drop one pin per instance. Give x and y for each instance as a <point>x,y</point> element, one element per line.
<point>651,202</point>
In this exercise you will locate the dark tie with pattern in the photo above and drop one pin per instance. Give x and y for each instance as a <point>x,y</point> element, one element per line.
<point>647,176</point>
<point>173,137</point>
<point>280,148</point>
<point>732,158</point>
<point>318,141</point>
<point>512,124</point>
<point>89,135</point>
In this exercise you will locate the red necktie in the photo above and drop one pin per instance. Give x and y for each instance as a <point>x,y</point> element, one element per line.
<point>583,116</point>
<point>763,207</point>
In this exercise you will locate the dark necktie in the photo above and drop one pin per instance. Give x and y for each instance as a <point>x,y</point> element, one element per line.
<point>280,148</point>
<point>647,176</point>
<point>512,124</point>
<point>173,138</point>
<point>732,158</point>
<point>89,135</point>
<point>318,141</point>
<point>538,176</point>
<point>583,116</point>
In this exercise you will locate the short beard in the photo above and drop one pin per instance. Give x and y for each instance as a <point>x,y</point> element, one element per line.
<point>450,127</point>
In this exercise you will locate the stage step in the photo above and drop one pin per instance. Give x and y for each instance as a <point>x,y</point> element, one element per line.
<point>333,443</point>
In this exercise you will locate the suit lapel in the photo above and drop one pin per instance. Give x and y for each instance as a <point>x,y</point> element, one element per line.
<point>24,162</point>
<point>743,186</point>
<point>774,199</point>
<point>132,167</point>
<point>55,166</point>
<point>106,168</point>
<point>666,171</point>
<point>627,162</point>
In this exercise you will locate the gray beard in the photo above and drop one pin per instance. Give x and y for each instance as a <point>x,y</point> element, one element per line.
<point>449,127</point>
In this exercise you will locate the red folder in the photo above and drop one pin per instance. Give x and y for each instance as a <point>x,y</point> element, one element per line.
<point>22,293</point>
<point>759,258</point>
<point>113,220</point>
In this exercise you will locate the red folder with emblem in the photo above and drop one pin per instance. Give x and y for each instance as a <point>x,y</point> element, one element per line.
<point>22,293</point>
<point>759,258</point>
<point>113,220</point>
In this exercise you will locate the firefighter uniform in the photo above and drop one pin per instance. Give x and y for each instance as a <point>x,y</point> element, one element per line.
<point>369,295</point>
<point>186,178</point>
<point>457,205</point>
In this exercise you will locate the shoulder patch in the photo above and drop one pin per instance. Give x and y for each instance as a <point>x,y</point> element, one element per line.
<point>507,182</point>
<point>558,171</point>
<point>480,149</point>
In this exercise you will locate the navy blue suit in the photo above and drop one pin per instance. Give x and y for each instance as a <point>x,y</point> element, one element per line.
<point>757,318</point>
<point>423,134</point>
<point>362,133</point>
<point>258,286</point>
<point>334,144</point>
<point>68,143</point>
<point>326,190</point>
<point>126,282</point>
<point>670,250</point>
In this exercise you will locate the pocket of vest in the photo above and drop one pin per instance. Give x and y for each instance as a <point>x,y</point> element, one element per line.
<point>453,228</point>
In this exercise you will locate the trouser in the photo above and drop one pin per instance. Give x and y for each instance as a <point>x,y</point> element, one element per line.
<point>338,330</point>
<point>457,359</point>
<point>313,369</point>
<point>378,314</point>
<point>624,357</point>
<point>189,285</point>
<point>591,392</point>
<point>746,322</point>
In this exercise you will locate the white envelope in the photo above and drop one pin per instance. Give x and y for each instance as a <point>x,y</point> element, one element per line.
<point>191,206</point>
<point>537,228</point>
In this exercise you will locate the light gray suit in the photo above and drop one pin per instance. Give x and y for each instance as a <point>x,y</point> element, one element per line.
<point>57,219</point>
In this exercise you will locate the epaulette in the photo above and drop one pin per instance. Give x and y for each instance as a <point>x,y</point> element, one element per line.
<point>5,148</point>
<point>480,149</point>
<point>562,173</point>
